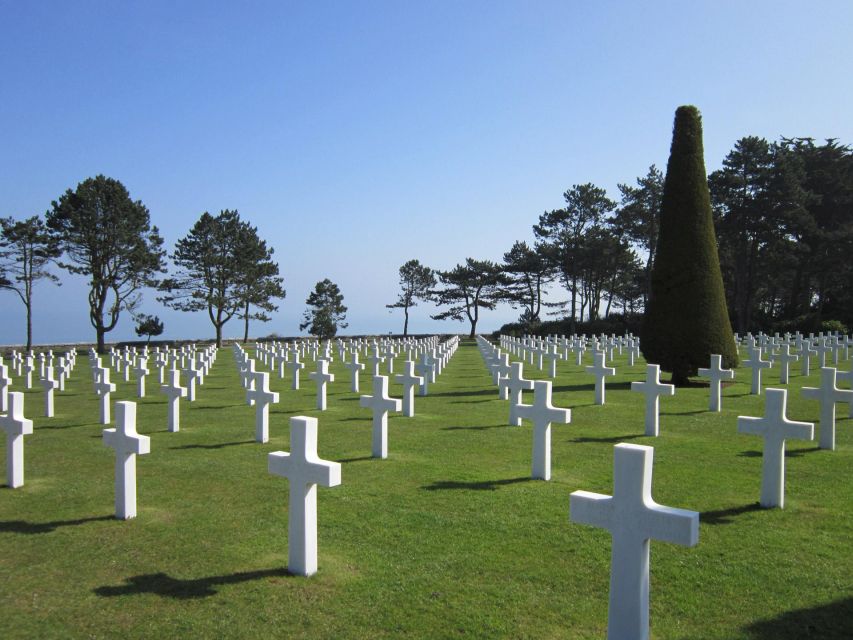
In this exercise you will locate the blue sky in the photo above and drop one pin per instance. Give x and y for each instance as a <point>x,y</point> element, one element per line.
<point>359,135</point>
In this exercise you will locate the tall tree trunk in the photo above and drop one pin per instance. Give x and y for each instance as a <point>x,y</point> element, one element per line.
<point>246,326</point>
<point>218,336</point>
<point>406,322</point>
<point>29,326</point>
<point>99,330</point>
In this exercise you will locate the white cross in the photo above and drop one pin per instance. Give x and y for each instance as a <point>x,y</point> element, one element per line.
<point>295,367</point>
<point>653,389</point>
<point>49,384</point>
<point>426,369</point>
<point>390,354</point>
<point>322,376</point>
<point>140,372</point>
<point>5,383</point>
<point>784,358</point>
<point>633,519</point>
<point>127,444</point>
<point>409,380</point>
<point>354,367</point>
<point>375,361</point>
<point>16,427</point>
<point>262,397</point>
<point>103,387</point>
<point>827,394</point>
<point>775,428</point>
<point>756,364</point>
<point>192,374</point>
<point>552,357</point>
<point>542,413</point>
<point>512,386</point>
<point>717,374</point>
<point>822,347</point>
<point>381,404</point>
<point>305,470</point>
<point>599,370</point>
<point>29,368</point>
<point>174,392</point>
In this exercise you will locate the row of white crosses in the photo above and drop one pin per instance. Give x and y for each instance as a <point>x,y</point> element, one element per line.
<point>552,349</point>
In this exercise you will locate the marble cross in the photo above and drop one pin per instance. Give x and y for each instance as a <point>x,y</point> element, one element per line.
<point>827,394</point>
<point>16,427</point>
<point>515,384</point>
<point>381,404</point>
<point>355,367</point>
<point>717,374</point>
<point>103,387</point>
<point>174,392</point>
<point>322,377</point>
<point>295,367</point>
<point>755,363</point>
<point>542,413</point>
<point>653,389</point>
<point>305,470</point>
<point>127,444</point>
<point>633,519</point>
<point>784,358</point>
<point>775,428</point>
<point>49,384</point>
<point>599,370</point>
<point>262,397</point>
<point>409,381</point>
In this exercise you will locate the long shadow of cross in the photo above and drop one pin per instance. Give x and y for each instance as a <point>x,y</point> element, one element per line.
<point>166,586</point>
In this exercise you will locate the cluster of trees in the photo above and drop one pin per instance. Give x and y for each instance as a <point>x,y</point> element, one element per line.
<point>783,220</point>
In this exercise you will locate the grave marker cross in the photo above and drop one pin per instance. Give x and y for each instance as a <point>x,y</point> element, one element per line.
<point>305,470</point>
<point>775,428</point>
<point>653,389</point>
<point>381,404</point>
<point>717,374</point>
<point>633,519</point>
<point>542,413</point>
<point>16,427</point>
<point>827,394</point>
<point>127,444</point>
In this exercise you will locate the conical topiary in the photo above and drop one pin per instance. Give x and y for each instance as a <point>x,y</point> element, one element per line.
<point>686,318</point>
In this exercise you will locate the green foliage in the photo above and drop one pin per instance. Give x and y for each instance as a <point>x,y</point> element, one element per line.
<point>148,325</point>
<point>686,319</point>
<point>326,312</point>
<point>109,239</point>
<point>527,272</point>
<point>466,289</point>
<point>416,282</point>
<point>224,268</point>
<point>561,233</point>
<point>26,249</point>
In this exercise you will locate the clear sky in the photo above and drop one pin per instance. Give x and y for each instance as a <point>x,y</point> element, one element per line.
<point>359,135</point>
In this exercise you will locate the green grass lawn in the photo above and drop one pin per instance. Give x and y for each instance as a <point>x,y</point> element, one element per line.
<point>446,538</point>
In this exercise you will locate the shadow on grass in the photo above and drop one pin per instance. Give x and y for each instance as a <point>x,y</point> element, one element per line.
<point>795,453</point>
<point>217,407</point>
<point>591,386</point>
<point>683,413</point>
<point>483,428</point>
<point>632,436</point>
<point>828,621</point>
<point>168,587</point>
<point>480,392</point>
<point>21,526</point>
<point>482,485</point>
<point>471,401</point>
<point>214,446</point>
<point>360,459</point>
<point>725,516</point>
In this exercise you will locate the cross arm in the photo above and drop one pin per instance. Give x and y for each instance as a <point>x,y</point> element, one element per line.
<point>594,509</point>
<point>678,526</point>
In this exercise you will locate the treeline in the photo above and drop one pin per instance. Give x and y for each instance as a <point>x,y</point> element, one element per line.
<point>783,214</point>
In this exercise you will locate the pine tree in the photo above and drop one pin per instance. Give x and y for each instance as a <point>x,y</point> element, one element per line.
<point>686,318</point>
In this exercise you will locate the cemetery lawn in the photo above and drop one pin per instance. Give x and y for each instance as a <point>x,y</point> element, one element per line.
<point>449,537</point>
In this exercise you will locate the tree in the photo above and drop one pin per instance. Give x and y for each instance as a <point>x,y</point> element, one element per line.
<point>223,267</point>
<point>527,271</point>
<point>26,249</point>
<point>326,312</point>
<point>108,238</point>
<point>638,217</point>
<point>149,326</point>
<point>467,288</point>
<point>261,283</point>
<point>416,281</point>
<point>561,233</point>
<point>686,318</point>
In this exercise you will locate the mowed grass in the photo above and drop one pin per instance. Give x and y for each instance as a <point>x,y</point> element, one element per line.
<point>449,537</point>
